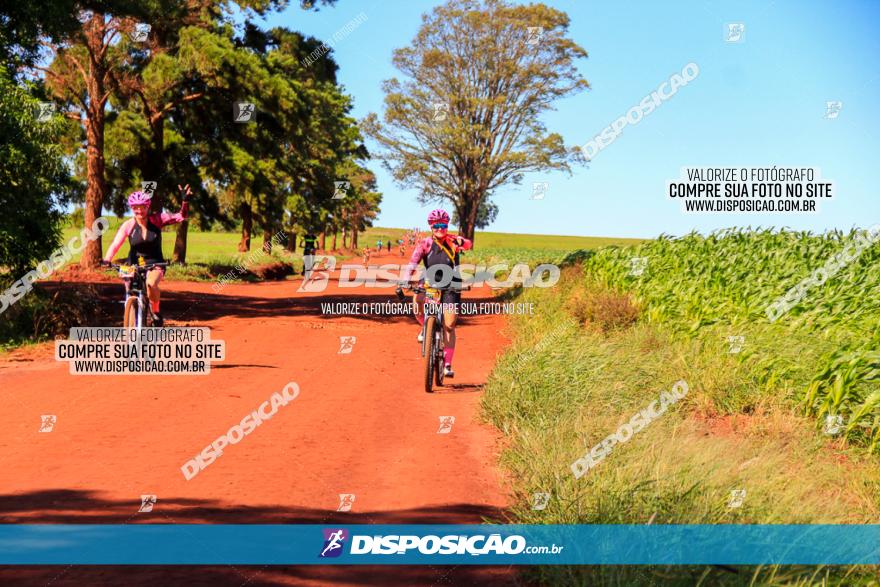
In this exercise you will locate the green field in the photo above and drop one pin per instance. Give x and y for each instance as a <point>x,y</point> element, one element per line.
<point>212,252</point>
<point>606,342</point>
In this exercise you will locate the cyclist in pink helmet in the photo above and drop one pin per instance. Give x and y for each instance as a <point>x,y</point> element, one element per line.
<point>144,234</point>
<point>441,248</point>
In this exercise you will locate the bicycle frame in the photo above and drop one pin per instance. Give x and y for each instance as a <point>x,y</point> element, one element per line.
<point>435,340</point>
<point>136,289</point>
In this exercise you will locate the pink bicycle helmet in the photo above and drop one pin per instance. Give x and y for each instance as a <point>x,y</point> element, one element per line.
<point>438,215</point>
<point>136,198</point>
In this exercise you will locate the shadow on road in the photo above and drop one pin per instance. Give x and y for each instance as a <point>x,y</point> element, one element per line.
<point>68,506</point>
<point>184,306</point>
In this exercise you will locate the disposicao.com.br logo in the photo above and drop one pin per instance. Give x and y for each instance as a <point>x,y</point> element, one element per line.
<point>334,539</point>
<point>451,544</point>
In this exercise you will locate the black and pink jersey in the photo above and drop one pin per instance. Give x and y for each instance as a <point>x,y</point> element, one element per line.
<point>434,254</point>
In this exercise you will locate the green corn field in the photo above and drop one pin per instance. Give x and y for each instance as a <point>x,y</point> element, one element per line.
<point>729,278</point>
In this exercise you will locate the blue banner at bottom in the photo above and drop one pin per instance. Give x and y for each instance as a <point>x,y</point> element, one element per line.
<point>206,544</point>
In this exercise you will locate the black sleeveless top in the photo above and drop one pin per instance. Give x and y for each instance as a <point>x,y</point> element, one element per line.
<point>150,248</point>
<point>435,259</point>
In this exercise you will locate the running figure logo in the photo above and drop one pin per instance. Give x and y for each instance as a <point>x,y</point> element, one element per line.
<point>346,344</point>
<point>333,541</point>
<point>832,109</point>
<point>536,33</point>
<point>148,187</point>
<point>346,500</point>
<point>637,266</point>
<point>45,110</point>
<point>736,343</point>
<point>243,112</point>
<point>147,503</point>
<point>737,497</point>
<point>440,111</point>
<point>540,501</point>
<point>833,424</point>
<point>47,423</point>
<point>446,423</point>
<point>736,32</point>
<point>539,190</point>
<point>341,189</point>
<point>140,33</point>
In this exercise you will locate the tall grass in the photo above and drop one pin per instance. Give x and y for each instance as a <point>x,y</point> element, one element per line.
<point>729,278</point>
<point>582,366</point>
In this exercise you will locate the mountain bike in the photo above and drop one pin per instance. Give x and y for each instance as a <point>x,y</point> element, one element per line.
<point>432,332</point>
<point>137,305</point>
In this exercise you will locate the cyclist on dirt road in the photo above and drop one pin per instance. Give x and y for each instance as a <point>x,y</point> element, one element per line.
<point>310,245</point>
<point>144,234</point>
<point>439,249</point>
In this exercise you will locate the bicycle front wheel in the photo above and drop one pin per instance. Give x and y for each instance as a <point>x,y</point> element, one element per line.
<point>145,313</point>
<point>130,318</point>
<point>430,351</point>
<point>438,359</point>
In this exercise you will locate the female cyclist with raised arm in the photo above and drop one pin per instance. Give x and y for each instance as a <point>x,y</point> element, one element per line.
<point>144,234</point>
<point>440,249</point>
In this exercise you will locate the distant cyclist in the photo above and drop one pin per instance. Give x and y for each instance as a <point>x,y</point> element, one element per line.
<point>440,249</point>
<point>144,234</point>
<point>310,245</point>
<point>366,255</point>
<point>379,246</point>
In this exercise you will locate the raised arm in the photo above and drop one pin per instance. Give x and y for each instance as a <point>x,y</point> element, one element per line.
<point>164,218</point>
<point>464,244</point>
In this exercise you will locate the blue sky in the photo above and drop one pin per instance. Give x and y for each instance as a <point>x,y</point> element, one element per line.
<point>757,103</point>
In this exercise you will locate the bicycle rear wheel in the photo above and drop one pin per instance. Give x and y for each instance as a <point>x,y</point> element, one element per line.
<point>430,358</point>
<point>129,318</point>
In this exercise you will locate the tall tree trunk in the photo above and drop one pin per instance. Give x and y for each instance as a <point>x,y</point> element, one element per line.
<point>155,165</point>
<point>354,237</point>
<point>324,239</point>
<point>467,208</point>
<point>267,241</point>
<point>344,234</point>
<point>179,255</point>
<point>334,239</point>
<point>247,222</point>
<point>96,187</point>
<point>291,241</point>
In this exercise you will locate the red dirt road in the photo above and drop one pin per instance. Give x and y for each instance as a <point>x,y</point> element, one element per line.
<point>362,424</point>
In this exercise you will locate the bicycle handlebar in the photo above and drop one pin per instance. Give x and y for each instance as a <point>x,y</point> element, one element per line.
<point>419,289</point>
<point>146,267</point>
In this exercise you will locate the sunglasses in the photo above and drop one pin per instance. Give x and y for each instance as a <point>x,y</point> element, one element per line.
<point>439,226</point>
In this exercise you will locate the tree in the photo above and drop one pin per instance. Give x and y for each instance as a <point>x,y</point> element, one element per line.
<point>467,119</point>
<point>23,24</point>
<point>81,76</point>
<point>360,206</point>
<point>190,53</point>
<point>486,215</point>
<point>32,177</point>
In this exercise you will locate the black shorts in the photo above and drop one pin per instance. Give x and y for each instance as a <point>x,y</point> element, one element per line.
<point>448,295</point>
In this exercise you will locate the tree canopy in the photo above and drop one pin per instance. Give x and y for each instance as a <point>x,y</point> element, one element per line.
<point>466,118</point>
